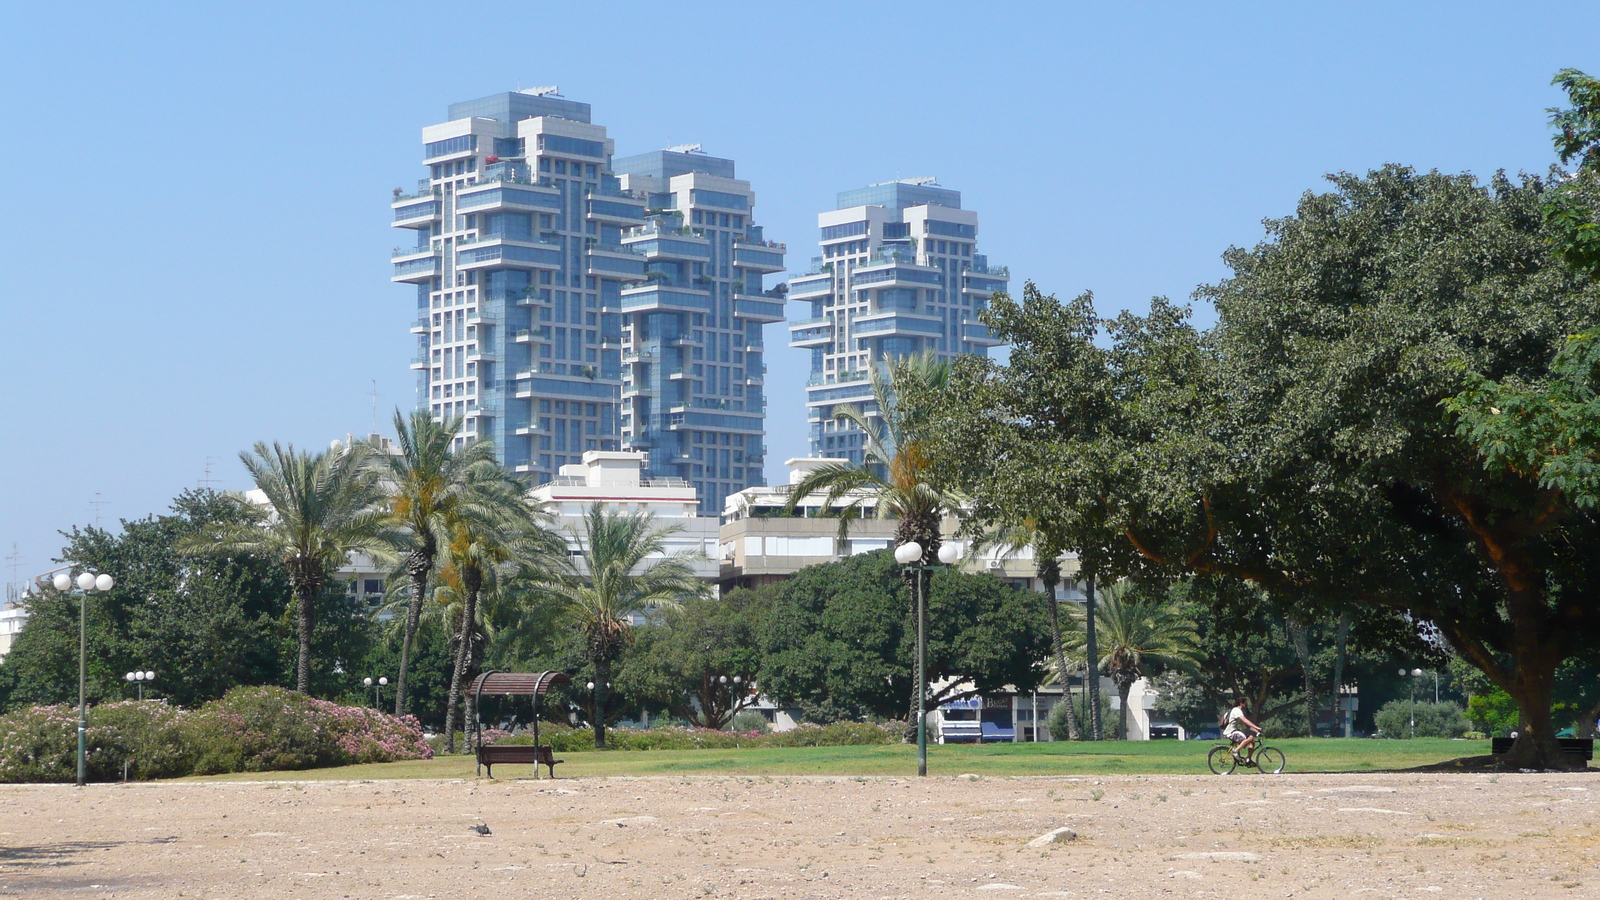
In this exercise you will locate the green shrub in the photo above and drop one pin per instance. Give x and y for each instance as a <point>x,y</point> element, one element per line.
<point>749,721</point>
<point>1056,722</point>
<point>1433,719</point>
<point>145,736</point>
<point>1494,713</point>
<point>39,743</point>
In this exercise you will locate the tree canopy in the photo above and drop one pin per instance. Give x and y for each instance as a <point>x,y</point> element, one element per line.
<point>1304,443</point>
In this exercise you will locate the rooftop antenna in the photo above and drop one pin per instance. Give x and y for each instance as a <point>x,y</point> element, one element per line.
<point>13,562</point>
<point>374,406</point>
<point>97,503</point>
<point>546,90</point>
<point>206,481</point>
<point>685,148</point>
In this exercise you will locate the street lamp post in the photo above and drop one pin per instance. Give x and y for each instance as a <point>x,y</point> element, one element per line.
<point>86,581</point>
<point>908,555</point>
<point>138,679</point>
<point>1412,681</point>
<point>733,696</point>
<point>377,689</point>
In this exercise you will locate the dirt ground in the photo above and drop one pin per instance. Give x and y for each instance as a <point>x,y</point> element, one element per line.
<point>1344,836</point>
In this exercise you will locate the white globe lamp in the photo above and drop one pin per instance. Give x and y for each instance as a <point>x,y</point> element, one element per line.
<point>908,553</point>
<point>948,554</point>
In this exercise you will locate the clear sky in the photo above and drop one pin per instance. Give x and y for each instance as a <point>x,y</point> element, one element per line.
<point>195,240</point>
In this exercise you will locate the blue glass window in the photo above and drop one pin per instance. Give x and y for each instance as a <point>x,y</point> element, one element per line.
<point>720,198</point>
<point>560,143</point>
<point>846,230</point>
<point>462,144</point>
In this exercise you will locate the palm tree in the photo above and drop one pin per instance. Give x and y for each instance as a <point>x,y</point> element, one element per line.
<point>505,537</point>
<point>1136,629</point>
<point>894,475</point>
<point>1047,565</point>
<point>320,508</point>
<point>621,568</point>
<point>430,486</point>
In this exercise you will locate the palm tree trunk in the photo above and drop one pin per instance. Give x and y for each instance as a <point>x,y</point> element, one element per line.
<point>471,582</point>
<point>1124,688</point>
<point>306,616</point>
<point>1050,575</point>
<point>417,566</point>
<point>602,678</point>
<point>1092,664</point>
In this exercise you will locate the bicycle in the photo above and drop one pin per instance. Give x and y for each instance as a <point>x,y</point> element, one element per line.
<point>1262,758</point>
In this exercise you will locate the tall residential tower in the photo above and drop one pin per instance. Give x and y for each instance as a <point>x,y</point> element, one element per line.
<point>899,274</point>
<point>559,312</point>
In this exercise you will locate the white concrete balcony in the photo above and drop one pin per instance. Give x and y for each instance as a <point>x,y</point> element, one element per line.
<point>413,213</point>
<point>415,265</point>
<point>755,308</point>
<point>810,285</point>
<point>765,257</point>
<point>500,252</point>
<point>811,332</point>
<point>978,333</point>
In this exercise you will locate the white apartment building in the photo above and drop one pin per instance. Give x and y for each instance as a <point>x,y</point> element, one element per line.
<point>616,480</point>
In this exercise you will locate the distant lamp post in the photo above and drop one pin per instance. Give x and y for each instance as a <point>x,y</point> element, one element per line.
<point>907,555</point>
<point>86,581</point>
<point>139,680</point>
<point>377,689</point>
<point>1412,682</point>
<point>732,686</point>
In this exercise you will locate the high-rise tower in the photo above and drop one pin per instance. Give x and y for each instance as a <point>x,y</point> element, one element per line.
<point>899,274</point>
<point>692,357</point>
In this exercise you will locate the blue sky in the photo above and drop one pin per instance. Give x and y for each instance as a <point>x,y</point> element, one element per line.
<point>195,232</point>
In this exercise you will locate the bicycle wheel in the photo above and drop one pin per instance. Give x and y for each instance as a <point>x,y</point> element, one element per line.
<point>1270,760</point>
<point>1221,761</point>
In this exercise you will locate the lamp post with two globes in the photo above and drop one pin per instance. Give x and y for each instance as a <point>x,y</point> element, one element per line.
<point>86,581</point>
<point>377,689</point>
<point>1412,682</point>
<point>908,556</point>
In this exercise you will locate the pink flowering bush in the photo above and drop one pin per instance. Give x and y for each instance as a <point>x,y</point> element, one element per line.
<point>265,729</point>
<point>40,743</point>
<point>257,729</point>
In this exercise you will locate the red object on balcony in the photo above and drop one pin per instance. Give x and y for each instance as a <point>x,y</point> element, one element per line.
<point>493,159</point>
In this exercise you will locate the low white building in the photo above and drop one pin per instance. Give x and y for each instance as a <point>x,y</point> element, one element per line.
<point>615,479</point>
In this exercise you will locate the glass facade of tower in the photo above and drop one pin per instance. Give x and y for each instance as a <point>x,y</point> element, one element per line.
<point>692,353</point>
<point>560,309</point>
<point>899,274</point>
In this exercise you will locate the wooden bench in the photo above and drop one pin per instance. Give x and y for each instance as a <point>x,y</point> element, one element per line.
<point>518,754</point>
<point>1579,749</point>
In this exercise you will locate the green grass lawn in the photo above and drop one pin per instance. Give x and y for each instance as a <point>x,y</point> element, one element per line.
<point>1063,758</point>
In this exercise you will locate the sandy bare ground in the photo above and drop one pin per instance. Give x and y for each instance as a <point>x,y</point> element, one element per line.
<point>1345,836</point>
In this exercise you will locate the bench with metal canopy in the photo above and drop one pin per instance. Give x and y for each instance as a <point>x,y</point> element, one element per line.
<point>534,685</point>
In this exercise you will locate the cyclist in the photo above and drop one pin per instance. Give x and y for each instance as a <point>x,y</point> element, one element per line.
<point>1242,743</point>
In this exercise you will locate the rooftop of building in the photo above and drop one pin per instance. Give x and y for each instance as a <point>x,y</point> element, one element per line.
<point>511,107</point>
<point>672,162</point>
<point>901,194</point>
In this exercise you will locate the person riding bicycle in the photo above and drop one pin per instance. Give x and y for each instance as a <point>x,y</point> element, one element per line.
<point>1242,743</point>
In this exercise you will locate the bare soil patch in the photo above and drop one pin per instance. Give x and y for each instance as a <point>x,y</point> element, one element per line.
<point>663,838</point>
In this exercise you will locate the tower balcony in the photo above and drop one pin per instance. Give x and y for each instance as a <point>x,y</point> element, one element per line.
<point>765,257</point>
<point>979,333</point>
<point>651,297</point>
<point>811,332</point>
<point>757,309</point>
<point>614,262</point>
<point>410,213</point>
<point>416,265</point>
<point>420,326</point>
<point>810,285</point>
<point>500,252</point>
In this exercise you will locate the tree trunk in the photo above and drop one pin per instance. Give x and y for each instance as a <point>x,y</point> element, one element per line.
<point>1124,687</point>
<point>1340,642</point>
<point>471,582</point>
<point>602,679</point>
<point>1092,663</point>
<point>1051,576</point>
<point>417,565</point>
<point>306,616</point>
<point>1532,683</point>
<point>1300,637</point>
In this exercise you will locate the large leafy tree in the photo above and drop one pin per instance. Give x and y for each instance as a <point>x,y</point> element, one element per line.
<point>320,508</point>
<point>896,477</point>
<point>620,569</point>
<point>688,664</point>
<point>1303,444</point>
<point>205,625</point>
<point>1014,538</point>
<point>839,638</point>
<point>430,486</point>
